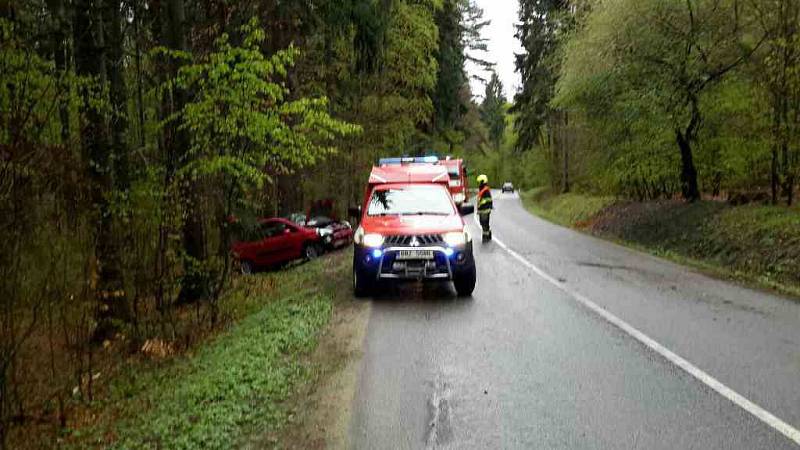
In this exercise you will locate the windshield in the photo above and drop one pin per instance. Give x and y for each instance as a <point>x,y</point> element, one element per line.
<point>410,200</point>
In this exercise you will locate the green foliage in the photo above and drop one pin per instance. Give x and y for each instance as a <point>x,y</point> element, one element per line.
<point>235,383</point>
<point>566,209</point>
<point>241,378</point>
<point>460,23</point>
<point>31,91</point>
<point>542,24</point>
<point>777,71</point>
<point>493,110</point>
<point>644,86</point>
<point>450,57</point>
<point>241,119</point>
<point>120,181</point>
<point>398,105</point>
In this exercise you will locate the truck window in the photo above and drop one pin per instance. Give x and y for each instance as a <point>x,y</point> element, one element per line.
<point>410,200</point>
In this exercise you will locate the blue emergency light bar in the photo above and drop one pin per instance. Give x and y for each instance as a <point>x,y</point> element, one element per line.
<point>408,160</point>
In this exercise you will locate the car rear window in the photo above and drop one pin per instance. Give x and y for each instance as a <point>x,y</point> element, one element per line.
<point>410,200</point>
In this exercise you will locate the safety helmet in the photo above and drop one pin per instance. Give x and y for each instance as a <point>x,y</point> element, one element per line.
<point>483,179</point>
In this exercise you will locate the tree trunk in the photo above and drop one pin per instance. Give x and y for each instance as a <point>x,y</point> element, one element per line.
<point>689,185</point>
<point>118,95</point>
<point>774,164</point>
<point>137,22</point>
<point>194,284</point>
<point>90,60</point>
<point>60,58</point>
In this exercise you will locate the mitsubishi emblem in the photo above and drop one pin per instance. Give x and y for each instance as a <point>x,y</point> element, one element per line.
<point>414,242</point>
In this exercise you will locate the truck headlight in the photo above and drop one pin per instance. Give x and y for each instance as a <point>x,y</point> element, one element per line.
<point>459,198</point>
<point>373,240</point>
<point>455,238</point>
<point>367,239</point>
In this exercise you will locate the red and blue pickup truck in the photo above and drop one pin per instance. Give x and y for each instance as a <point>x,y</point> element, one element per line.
<point>411,229</point>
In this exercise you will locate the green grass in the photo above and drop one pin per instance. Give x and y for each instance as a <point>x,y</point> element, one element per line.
<point>761,240</point>
<point>234,384</point>
<point>567,209</point>
<point>755,244</point>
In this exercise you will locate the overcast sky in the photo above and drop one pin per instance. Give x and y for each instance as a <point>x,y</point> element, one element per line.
<point>502,44</point>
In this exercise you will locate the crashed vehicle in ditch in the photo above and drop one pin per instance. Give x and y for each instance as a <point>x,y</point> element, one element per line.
<point>321,216</point>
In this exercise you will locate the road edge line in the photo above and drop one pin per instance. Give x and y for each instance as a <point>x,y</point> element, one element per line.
<point>793,434</point>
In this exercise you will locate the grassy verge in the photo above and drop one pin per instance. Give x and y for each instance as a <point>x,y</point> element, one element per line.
<point>233,385</point>
<point>755,244</point>
<point>566,209</point>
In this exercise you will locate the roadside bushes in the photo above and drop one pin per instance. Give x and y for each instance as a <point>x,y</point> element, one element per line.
<point>98,232</point>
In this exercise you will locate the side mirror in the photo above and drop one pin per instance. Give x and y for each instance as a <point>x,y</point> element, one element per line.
<point>354,211</point>
<point>466,209</point>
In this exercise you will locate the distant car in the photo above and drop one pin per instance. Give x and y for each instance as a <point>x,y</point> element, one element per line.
<point>508,187</point>
<point>274,242</point>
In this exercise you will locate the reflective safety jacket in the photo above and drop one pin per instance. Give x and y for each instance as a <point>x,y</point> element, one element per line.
<point>485,199</point>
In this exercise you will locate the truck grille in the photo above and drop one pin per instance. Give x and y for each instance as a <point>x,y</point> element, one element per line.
<point>423,239</point>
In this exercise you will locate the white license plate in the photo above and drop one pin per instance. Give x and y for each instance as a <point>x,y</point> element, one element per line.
<point>415,254</point>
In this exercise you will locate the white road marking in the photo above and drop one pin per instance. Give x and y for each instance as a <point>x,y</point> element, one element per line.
<point>762,414</point>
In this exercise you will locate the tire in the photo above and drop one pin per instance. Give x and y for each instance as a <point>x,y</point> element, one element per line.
<point>465,282</point>
<point>361,287</point>
<point>246,267</point>
<point>310,252</point>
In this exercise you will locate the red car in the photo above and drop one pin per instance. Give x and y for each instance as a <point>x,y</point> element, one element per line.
<point>275,242</point>
<point>321,216</point>
<point>411,230</point>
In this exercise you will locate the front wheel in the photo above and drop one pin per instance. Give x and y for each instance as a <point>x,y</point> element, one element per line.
<point>464,282</point>
<point>246,267</point>
<point>310,252</point>
<point>362,287</point>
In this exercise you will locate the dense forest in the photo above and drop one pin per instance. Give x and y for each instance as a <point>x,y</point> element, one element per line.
<point>133,130</point>
<point>657,99</point>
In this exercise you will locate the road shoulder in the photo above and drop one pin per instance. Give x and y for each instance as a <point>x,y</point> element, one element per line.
<point>744,245</point>
<point>323,407</point>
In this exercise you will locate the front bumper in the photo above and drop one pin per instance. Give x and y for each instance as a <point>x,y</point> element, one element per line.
<point>444,266</point>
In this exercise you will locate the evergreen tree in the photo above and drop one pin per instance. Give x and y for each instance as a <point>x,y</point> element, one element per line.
<point>450,75</point>
<point>541,22</point>
<point>493,112</point>
<point>460,23</point>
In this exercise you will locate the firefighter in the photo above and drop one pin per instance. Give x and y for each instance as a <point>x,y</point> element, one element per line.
<point>484,205</point>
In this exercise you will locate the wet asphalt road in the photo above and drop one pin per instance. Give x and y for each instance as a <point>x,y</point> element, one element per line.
<point>522,364</point>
